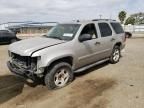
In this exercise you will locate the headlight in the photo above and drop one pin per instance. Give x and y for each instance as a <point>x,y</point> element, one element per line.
<point>34,62</point>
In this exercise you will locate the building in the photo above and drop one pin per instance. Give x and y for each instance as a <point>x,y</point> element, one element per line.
<point>6,25</point>
<point>28,27</point>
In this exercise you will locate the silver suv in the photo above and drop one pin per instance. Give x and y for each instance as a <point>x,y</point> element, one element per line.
<point>68,48</point>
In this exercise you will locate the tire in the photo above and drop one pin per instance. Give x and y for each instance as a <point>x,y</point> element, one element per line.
<point>116,54</point>
<point>59,76</point>
<point>13,40</point>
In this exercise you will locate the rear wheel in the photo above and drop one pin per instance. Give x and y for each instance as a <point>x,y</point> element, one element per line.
<point>59,76</point>
<point>115,56</point>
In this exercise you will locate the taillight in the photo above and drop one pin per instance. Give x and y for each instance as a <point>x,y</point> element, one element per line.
<point>124,38</point>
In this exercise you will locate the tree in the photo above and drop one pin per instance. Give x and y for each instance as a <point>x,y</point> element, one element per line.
<point>122,16</point>
<point>130,20</point>
<point>139,17</point>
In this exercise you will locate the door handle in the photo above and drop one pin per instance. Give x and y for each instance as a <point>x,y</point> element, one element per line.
<point>113,39</point>
<point>97,43</point>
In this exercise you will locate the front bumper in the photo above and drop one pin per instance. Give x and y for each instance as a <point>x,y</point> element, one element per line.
<point>27,74</point>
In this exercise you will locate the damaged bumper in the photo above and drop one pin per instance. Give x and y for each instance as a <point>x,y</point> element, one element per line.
<point>27,74</point>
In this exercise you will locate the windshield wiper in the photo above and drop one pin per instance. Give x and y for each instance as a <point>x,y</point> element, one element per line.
<point>55,37</point>
<point>44,35</point>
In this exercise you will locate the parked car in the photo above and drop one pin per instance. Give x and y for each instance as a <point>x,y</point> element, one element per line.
<point>7,36</point>
<point>68,48</point>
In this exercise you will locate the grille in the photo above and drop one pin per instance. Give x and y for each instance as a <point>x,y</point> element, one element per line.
<point>25,62</point>
<point>20,61</point>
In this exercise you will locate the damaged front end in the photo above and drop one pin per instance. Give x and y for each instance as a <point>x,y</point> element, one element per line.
<point>23,66</point>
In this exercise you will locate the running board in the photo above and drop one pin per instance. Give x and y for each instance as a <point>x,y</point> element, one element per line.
<point>91,65</point>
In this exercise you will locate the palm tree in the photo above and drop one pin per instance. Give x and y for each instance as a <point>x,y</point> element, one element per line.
<point>122,16</point>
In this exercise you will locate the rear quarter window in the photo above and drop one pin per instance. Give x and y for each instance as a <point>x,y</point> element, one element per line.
<point>117,28</point>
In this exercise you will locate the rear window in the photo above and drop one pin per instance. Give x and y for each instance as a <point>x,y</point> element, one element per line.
<point>117,28</point>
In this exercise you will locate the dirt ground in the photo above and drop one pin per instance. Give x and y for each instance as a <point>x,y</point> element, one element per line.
<point>118,85</point>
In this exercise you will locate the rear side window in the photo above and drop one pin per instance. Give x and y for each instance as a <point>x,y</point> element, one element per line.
<point>105,29</point>
<point>117,28</point>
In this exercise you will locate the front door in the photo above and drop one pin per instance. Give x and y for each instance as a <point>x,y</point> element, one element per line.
<point>88,51</point>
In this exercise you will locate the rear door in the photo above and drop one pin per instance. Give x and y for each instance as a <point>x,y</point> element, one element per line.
<point>107,39</point>
<point>119,32</point>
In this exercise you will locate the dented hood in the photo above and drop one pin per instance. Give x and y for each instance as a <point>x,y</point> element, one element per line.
<point>28,46</point>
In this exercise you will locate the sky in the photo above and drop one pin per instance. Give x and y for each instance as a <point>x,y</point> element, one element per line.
<point>65,10</point>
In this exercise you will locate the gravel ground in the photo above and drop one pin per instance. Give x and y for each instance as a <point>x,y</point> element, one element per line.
<point>118,85</point>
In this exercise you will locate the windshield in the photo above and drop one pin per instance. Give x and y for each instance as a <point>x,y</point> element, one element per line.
<point>63,31</point>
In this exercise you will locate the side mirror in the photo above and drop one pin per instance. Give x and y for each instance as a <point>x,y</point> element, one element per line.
<point>85,37</point>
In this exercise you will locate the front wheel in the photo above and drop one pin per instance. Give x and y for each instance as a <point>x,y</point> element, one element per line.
<point>13,40</point>
<point>59,76</point>
<point>115,56</point>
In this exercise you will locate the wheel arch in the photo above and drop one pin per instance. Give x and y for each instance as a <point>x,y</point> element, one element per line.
<point>67,59</point>
<point>118,44</point>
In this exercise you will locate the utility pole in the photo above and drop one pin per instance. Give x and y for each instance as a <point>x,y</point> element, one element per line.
<point>100,16</point>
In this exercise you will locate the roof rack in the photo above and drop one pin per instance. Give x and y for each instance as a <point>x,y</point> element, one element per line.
<point>103,19</point>
<point>95,20</point>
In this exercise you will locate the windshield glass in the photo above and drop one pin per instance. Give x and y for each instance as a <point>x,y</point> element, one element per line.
<point>63,31</point>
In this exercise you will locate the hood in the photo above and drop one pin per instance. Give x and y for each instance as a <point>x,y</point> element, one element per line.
<point>28,46</point>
